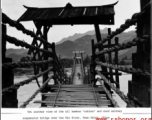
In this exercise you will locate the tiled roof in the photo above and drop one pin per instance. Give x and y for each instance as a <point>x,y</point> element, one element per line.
<point>71,15</point>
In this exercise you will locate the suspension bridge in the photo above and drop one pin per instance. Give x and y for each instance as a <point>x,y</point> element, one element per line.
<point>79,90</point>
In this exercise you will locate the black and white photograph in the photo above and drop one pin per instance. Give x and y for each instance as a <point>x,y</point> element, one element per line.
<point>76,54</point>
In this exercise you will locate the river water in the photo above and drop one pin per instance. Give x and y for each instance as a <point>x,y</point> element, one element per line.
<point>26,91</point>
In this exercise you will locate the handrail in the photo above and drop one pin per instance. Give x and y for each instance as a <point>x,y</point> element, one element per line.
<point>123,27</point>
<point>94,93</point>
<point>82,67</point>
<point>59,64</point>
<point>17,85</point>
<point>130,102</point>
<point>35,93</point>
<point>123,46</point>
<point>61,70</point>
<point>54,59</point>
<point>142,42</point>
<point>56,95</point>
<point>60,79</point>
<point>125,69</point>
<point>73,70</point>
<point>59,73</point>
<point>114,103</point>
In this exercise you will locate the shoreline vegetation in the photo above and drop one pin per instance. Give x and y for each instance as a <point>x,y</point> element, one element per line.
<point>23,71</point>
<point>66,63</point>
<point>19,72</point>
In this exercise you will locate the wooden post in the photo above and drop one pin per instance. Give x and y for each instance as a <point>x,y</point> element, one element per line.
<point>102,58</point>
<point>93,62</point>
<point>9,99</point>
<point>58,68</point>
<point>45,77</point>
<point>89,75</point>
<point>36,54</point>
<point>54,66</point>
<point>143,3</point>
<point>116,62</point>
<point>45,56</point>
<point>110,57</point>
<point>82,63</point>
<point>98,35</point>
<point>151,58</point>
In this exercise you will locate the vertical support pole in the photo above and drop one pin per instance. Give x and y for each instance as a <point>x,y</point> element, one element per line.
<point>45,77</point>
<point>102,58</point>
<point>141,60</point>
<point>74,60</point>
<point>89,79</point>
<point>97,30</point>
<point>45,67</point>
<point>54,63</point>
<point>36,54</point>
<point>93,62</point>
<point>110,57</point>
<point>82,63</point>
<point>9,99</point>
<point>151,58</point>
<point>116,62</point>
<point>3,44</point>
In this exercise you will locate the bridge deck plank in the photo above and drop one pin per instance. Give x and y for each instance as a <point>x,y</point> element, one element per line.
<point>76,94</point>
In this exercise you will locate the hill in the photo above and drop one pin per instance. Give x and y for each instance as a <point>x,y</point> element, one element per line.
<point>66,48</point>
<point>79,35</point>
<point>84,44</point>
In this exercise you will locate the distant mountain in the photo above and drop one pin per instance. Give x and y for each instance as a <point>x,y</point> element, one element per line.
<point>66,48</point>
<point>84,44</point>
<point>128,53</point>
<point>126,36</point>
<point>79,35</point>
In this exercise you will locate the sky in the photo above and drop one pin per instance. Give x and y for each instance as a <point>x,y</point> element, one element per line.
<point>14,9</point>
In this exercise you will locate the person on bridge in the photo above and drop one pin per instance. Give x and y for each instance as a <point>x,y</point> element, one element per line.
<point>78,75</point>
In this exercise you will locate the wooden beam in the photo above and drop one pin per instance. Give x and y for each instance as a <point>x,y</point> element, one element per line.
<point>38,32</point>
<point>116,62</point>
<point>93,62</point>
<point>45,67</point>
<point>110,57</point>
<point>98,34</point>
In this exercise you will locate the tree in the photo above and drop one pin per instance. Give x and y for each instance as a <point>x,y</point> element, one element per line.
<point>66,62</point>
<point>25,59</point>
<point>86,60</point>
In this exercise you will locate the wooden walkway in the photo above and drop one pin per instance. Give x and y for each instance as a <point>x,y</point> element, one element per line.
<point>76,79</point>
<point>76,94</point>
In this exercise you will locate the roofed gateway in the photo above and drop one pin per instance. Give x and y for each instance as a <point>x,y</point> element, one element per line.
<point>71,15</point>
<point>44,18</point>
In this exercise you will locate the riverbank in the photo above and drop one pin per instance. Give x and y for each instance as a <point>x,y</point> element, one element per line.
<point>19,72</point>
<point>23,71</point>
